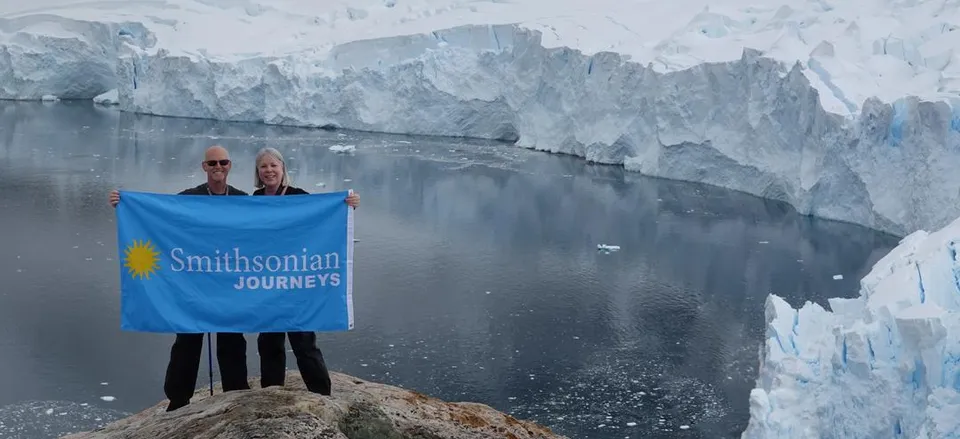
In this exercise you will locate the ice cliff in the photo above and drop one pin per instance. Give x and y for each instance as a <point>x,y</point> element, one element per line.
<point>753,124</point>
<point>883,365</point>
<point>756,122</point>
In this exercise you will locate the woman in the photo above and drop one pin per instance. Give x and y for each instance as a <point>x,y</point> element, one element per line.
<point>271,178</point>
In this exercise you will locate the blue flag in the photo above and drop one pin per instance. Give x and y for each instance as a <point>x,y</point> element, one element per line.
<point>200,263</point>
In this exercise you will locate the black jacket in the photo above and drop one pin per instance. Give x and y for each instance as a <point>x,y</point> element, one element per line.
<point>291,190</point>
<point>204,190</point>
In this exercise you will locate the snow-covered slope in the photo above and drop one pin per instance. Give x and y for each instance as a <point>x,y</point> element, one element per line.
<point>845,109</point>
<point>883,365</point>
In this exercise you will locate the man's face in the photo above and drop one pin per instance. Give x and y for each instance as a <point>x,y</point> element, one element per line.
<point>216,163</point>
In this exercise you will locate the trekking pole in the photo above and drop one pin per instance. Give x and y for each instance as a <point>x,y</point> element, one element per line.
<point>210,361</point>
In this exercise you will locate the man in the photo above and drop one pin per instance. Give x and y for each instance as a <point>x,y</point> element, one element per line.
<point>181,378</point>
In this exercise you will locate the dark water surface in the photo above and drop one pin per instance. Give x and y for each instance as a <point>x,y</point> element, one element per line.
<point>477,274</point>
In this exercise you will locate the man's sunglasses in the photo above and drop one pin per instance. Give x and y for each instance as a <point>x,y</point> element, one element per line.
<point>213,163</point>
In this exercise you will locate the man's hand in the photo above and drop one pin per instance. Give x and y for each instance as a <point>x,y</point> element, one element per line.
<point>353,200</point>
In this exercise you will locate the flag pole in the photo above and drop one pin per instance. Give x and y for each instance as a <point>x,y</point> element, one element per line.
<point>210,361</point>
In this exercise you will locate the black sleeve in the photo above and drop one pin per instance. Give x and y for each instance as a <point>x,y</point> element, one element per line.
<point>292,190</point>
<point>190,191</point>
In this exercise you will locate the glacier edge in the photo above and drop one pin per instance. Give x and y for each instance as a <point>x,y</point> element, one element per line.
<point>753,125</point>
<point>885,364</point>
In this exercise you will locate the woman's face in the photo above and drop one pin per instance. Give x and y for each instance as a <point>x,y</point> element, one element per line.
<point>270,170</point>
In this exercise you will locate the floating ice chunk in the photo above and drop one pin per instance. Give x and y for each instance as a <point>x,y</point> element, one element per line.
<point>837,277</point>
<point>343,148</point>
<point>49,98</point>
<point>607,249</point>
<point>108,98</point>
<point>108,398</point>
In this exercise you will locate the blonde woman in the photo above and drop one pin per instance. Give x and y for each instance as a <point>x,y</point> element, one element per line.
<point>271,178</point>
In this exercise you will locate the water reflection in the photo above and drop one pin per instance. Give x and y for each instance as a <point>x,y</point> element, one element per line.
<point>477,274</point>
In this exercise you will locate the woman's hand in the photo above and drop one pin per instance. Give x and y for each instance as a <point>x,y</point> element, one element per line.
<point>353,200</point>
<point>114,198</point>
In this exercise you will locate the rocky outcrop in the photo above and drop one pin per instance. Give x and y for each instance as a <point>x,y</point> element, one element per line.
<point>357,409</point>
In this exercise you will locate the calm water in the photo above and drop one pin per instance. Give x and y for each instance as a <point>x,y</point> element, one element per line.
<point>477,274</point>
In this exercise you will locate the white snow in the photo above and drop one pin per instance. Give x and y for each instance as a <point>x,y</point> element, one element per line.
<point>883,365</point>
<point>845,109</point>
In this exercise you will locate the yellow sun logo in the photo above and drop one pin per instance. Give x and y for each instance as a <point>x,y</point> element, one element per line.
<point>141,259</point>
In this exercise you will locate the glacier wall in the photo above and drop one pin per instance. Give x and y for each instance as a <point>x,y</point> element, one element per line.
<point>52,55</point>
<point>752,124</point>
<point>883,365</point>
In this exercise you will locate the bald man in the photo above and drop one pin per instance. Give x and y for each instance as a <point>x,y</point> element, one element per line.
<point>181,377</point>
<point>216,163</point>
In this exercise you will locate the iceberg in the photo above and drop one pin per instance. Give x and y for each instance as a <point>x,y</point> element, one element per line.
<point>885,364</point>
<point>108,98</point>
<point>845,110</point>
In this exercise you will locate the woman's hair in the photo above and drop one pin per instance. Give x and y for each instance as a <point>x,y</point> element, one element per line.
<point>272,152</point>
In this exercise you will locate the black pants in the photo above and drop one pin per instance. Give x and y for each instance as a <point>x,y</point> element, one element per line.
<point>273,360</point>
<point>181,379</point>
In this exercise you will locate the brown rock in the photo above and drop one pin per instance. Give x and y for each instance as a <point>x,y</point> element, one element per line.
<point>357,409</point>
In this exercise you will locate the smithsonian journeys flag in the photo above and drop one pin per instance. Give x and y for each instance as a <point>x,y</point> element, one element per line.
<point>197,264</point>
